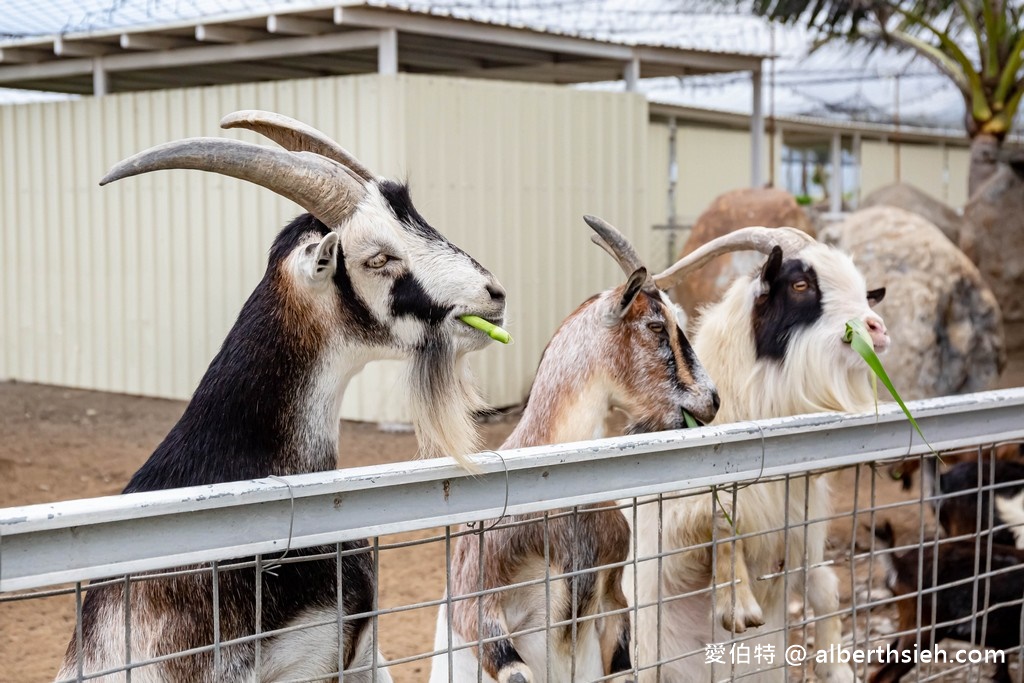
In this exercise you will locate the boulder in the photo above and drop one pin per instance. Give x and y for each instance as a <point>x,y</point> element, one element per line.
<point>910,198</point>
<point>944,321</point>
<point>993,237</point>
<point>733,210</point>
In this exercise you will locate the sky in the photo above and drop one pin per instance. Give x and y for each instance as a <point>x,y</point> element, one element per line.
<point>836,82</point>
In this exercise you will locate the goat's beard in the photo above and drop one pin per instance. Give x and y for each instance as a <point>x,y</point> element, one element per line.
<point>444,401</point>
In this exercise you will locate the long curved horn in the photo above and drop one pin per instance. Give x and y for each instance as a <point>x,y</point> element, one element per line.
<point>615,243</point>
<point>320,185</point>
<point>295,136</point>
<point>754,238</point>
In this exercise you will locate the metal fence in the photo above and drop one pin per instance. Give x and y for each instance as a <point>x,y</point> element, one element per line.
<point>415,513</point>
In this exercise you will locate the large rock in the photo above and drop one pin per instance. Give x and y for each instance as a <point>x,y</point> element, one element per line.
<point>993,237</point>
<point>944,321</point>
<point>910,198</point>
<point>733,210</point>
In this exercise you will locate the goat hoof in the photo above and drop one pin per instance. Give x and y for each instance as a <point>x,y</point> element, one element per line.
<point>518,673</point>
<point>742,619</point>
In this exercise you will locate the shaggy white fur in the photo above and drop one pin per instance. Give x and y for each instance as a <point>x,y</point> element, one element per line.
<point>818,373</point>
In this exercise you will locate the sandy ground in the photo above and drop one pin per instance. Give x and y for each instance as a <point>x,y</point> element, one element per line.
<point>58,444</point>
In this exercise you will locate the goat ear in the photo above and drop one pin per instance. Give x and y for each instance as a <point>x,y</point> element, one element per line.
<point>875,296</point>
<point>320,261</point>
<point>633,286</point>
<point>772,266</point>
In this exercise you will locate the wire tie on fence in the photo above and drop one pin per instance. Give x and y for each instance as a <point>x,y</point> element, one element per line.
<point>760,472</point>
<point>740,487</point>
<point>270,568</point>
<point>504,507</point>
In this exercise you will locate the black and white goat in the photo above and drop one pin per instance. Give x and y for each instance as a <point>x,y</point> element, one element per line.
<point>985,611</point>
<point>622,348</point>
<point>774,347</point>
<point>361,277</point>
<point>974,497</point>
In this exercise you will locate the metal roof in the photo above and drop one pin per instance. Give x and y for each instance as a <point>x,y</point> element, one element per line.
<point>307,40</point>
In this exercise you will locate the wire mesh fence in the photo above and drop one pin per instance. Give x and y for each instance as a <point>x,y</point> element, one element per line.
<point>635,558</point>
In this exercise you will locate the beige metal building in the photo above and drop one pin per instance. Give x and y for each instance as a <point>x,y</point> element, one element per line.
<point>130,288</point>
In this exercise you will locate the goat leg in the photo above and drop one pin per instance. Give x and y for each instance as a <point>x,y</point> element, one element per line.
<point>499,658</point>
<point>823,596</point>
<point>615,630</point>
<point>735,604</point>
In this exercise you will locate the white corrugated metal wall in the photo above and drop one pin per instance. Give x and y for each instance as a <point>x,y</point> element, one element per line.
<point>131,288</point>
<point>941,171</point>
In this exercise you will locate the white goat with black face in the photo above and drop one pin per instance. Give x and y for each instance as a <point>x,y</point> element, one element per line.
<point>622,348</point>
<point>360,277</point>
<point>774,347</point>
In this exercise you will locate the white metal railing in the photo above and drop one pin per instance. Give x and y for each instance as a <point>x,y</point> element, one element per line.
<point>43,546</point>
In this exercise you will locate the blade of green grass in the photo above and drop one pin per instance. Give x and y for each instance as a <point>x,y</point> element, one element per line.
<point>859,339</point>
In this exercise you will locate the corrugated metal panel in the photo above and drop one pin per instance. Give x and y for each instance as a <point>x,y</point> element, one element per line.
<point>710,161</point>
<point>924,167</point>
<point>958,161</point>
<point>938,170</point>
<point>877,164</point>
<point>131,288</point>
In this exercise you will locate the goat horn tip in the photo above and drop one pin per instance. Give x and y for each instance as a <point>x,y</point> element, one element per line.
<point>235,118</point>
<point>111,176</point>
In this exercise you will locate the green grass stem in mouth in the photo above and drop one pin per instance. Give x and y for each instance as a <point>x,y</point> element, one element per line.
<point>858,337</point>
<point>689,419</point>
<point>492,330</point>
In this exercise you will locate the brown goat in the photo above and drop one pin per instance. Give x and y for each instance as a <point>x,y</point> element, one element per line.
<point>622,348</point>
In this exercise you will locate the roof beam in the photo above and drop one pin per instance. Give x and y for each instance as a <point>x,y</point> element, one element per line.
<point>17,55</point>
<point>297,26</point>
<point>486,34</point>
<point>698,60</point>
<point>265,49</point>
<point>208,33</point>
<point>78,48</point>
<point>45,70</point>
<point>552,72</point>
<point>152,41</point>
<point>524,38</point>
<point>432,60</point>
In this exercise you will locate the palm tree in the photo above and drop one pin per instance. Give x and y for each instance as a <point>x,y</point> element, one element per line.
<point>978,44</point>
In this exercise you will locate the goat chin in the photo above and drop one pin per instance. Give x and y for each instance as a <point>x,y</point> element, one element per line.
<point>444,400</point>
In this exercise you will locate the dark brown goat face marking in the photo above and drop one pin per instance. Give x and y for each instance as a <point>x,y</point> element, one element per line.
<point>656,369</point>
<point>791,300</point>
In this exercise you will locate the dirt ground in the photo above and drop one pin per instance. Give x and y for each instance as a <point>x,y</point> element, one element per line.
<point>59,444</point>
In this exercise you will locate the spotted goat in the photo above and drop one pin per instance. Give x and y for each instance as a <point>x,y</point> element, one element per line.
<point>774,346</point>
<point>621,349</point>
<point>360,277</point>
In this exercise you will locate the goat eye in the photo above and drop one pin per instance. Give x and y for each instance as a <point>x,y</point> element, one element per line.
<point>656,327</point>
<point>378,261</point>
<point>800,286</point>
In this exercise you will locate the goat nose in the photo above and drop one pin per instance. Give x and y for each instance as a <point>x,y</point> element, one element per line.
<point>879,335</point>
<point>496,291</point>
<point>875,325</point>
<point>715,400</point>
